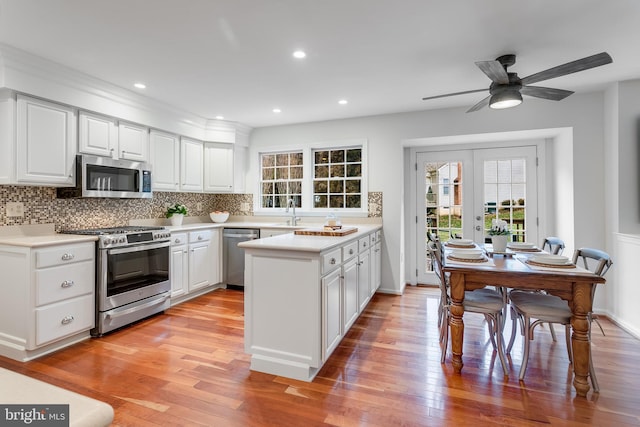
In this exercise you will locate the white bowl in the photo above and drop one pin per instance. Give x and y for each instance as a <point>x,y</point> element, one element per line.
<point>461,242</point>
<point>467,253</point>
<point>219,216</point>
<point>551,259</point>
<point>521,245</point>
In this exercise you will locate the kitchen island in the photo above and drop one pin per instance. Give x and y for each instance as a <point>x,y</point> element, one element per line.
<point>303,293</point>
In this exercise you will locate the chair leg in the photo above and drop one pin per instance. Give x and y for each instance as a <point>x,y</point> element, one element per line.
<point>500,342</point>
<point>445,336</point>
<point>594,318</point>
<point>553,332</point>
<point>592,375</point>
<point>567,333</point>
<point>527,345</point>
<point>514,327</point>
<point>491,324</point>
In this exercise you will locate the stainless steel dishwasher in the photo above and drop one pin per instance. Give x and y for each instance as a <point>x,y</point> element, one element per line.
<point>234,256</point>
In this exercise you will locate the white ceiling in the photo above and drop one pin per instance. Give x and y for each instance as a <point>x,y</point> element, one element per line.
<point>233,57</point>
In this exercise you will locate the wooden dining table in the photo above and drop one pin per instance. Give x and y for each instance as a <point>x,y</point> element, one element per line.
<point>512,271</point>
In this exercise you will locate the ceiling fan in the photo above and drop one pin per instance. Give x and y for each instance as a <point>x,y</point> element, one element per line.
<point>507,88</point>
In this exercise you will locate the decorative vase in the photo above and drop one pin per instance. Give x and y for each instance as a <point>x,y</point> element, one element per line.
<point>176,219</point>
<point>499,243</point>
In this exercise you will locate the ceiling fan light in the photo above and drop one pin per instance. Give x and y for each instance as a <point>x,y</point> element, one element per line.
<point>506,99</point>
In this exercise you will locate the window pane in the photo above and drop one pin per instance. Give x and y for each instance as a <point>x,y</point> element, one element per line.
<point>321,157</point>
<point>282,159</point>
<point>295,173</point>
<point>336,186</point>
<point>282,173</point>
<point>337,171</point>
<point>267,188</point>
<point>322,172</point>
<point>336,201</point>
<point>352,186</point>
<point>320,201</point>
<point>268,174</point>
<point>267,202</point>
<point>295,187</point>
<point>337,156</point>
<point>354,155</point>
<point>321,186</point>
<point>354,171</point>
<point>353,201</point>
<point>268,160</point>
<point>282,177</point>
<point>296,159</point>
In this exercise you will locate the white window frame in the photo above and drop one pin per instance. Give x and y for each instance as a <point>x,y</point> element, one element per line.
<point>307,208</point>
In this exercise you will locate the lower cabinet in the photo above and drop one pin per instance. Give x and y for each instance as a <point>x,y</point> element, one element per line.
<point>50,302</point>
<point>332,314</point>
<point>195,262</point>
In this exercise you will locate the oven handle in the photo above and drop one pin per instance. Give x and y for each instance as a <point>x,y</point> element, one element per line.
<point>138,248</point>
<point>137,307</point>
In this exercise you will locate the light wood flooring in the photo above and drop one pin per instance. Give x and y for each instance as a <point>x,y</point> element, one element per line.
<point>188,367</point>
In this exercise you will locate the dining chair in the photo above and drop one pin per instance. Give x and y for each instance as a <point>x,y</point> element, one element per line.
<point>545,308</point>
<point>553,245</point>
<point>487,302</point>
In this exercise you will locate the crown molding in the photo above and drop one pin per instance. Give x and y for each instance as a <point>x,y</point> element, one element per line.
<point>23,72</point>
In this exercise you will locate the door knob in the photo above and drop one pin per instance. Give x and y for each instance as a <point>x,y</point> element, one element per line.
<point>478,228</point>
<point>478,218</point>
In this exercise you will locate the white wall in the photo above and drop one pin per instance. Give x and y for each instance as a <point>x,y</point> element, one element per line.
<point>583,113</point>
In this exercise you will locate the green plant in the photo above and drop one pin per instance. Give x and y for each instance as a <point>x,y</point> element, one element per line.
<point>499,227</point>
<point>176,209</point>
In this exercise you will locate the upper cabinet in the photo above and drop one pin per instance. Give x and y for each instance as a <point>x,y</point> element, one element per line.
<point>218,167</point>
<point>45,142</point>
<point>105,136</point>
<point>165,160</point>
<point>191,164</point>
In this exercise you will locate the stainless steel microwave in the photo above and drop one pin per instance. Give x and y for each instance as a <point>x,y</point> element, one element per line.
<point>106,177</point>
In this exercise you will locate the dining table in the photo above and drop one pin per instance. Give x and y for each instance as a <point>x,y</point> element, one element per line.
<point>516,271</point>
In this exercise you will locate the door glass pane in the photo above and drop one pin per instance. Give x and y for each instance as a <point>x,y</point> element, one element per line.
<point>443,201</point>
<point>505,195</point>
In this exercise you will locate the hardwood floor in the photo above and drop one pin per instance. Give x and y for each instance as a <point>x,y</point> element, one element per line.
<point>188,367</point>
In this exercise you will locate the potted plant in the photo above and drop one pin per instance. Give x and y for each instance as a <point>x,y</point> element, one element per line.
<point>499,233</point>
<point>176,213</point>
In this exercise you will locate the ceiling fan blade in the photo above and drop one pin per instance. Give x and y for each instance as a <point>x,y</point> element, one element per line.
<point>545,92</point>
<point>455,93</point>
<point>494,70</point>
<point>569,68</point>
<point>479,105</point>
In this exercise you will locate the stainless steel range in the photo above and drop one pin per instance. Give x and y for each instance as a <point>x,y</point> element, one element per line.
<point>132,274</point>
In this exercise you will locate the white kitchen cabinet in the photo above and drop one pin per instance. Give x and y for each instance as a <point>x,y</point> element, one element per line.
<point>218,168</point>
<point>133,142</point>
<point>199,259</point>
<point>7,136</point>
<point>350,291</point>
<point>270,232</point>
<point>98,135</point>
<point>364,279</point>
<point>105,136</point>
<point>179,264</point>
<point>191,165</point>
<point>45,142</point>
<point>332,330</point>
<point>376,260</point>
<point>165,161</point>
<point>51,301</point>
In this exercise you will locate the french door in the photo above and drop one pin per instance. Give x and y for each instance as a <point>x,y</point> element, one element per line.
<point>459,193</point>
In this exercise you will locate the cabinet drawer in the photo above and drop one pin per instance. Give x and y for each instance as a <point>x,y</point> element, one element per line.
<point>63,282</point>
<point>375,237</point>
<point>331,260</point>
<point>178,239</point>
<point>65,318</point>
<point>349,250</point>
<point>61,255</point>
<point>199,236</point>
<point>363,243</point>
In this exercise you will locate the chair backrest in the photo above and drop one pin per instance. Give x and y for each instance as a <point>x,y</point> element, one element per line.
<point>594,260</point>
<point>436,262</point>
<point>553,245</point>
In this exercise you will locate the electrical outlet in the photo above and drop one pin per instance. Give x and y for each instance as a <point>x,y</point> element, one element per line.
<point>15,209</point>
<point>244,206</point>
<point>199,206</point>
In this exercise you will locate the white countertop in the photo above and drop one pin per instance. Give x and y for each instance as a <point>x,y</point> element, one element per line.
<point>295,242</point>
<point>33,236</point>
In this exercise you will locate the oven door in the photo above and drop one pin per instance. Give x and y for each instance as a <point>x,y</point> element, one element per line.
<point>133,273</point>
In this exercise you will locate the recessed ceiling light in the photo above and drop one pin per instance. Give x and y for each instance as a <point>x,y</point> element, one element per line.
<point>220,117</point>
<point>140,85</point>
<point>299,54</point>
<point>277,110</point>
<point>343,102</point>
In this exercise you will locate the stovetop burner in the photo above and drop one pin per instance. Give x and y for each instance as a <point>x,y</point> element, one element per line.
<point>113,230</point>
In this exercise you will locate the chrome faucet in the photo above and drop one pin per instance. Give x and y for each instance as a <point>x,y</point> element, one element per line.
<point>294,219</point>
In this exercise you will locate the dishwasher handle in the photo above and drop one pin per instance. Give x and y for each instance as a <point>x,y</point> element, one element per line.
<point>242,236</point>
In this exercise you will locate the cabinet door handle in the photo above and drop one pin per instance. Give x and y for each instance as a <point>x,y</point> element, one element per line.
<point>199,237</point>
<point>67,257</point>
<point>66,320</point>
<point>177,241</point>
<point>364,245</point>
<point>350,251</point>
<point>67,284</point>
<point>332,261</point>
